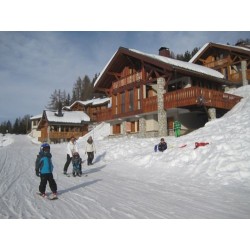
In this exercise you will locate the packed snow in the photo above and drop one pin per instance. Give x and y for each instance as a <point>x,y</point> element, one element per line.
<point>130,181</point>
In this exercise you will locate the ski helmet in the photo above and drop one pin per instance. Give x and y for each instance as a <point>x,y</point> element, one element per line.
<point>45,145</point>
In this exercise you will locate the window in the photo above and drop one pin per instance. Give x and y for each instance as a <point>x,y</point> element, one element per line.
<point>123,103</point>
<point>131,100</point>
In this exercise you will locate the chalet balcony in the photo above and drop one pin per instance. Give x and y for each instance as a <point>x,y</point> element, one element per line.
<point>237,77</point>
<point>104,115</point>
<point>60,135</point>
<point>183,98</point>
<point>128,80</point>
<point>218,63</point>
<point>200,96</point>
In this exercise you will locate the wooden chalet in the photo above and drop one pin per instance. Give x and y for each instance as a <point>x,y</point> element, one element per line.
<point>148,92</point>
<point>91,107</point>
<point>232,61</point>
<point>60,126</point>
<point>34,125</point>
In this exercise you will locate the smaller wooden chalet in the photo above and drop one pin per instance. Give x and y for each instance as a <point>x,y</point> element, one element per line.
<point>91,107</point>
<point>149,92</point>
<point>232,61</point>
<point>60,126</point>
<point>34,125</point>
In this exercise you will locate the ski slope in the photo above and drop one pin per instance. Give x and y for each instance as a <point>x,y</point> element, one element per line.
<point>130,181</point>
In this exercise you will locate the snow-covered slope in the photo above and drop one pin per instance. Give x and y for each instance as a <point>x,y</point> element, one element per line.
<point>129,180</point>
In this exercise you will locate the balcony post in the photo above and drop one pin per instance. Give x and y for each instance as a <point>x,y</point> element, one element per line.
<point>142,127</point>
<point>162,114</point>
<point>244,72</point>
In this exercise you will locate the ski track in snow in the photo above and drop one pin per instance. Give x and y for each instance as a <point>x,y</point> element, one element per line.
<point>130,181</point>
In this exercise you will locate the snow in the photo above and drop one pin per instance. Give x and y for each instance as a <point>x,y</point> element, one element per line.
<point>185,65</point>
<point>130,181</point>
<point>177,63</point>
<point>68,117</point>
<point>225,45</point>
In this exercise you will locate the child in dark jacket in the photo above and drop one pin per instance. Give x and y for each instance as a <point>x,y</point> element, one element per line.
<point>162,146</point>
<point>44,169</point>
<point>77,164</point>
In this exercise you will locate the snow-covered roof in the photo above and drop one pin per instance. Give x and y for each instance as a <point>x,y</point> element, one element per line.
<point>36,117</point>
<point>68,117</point>
<point>184,65</point>
<point>99,101</point>
<point>173,62</point>
<point>220,44</point>
<point>93,102</point>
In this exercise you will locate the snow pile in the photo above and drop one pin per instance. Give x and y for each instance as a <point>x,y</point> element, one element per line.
<point>6,140</point>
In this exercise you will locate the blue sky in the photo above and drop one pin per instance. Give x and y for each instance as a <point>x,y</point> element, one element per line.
<point>45,45</point>
<point>34,64</point>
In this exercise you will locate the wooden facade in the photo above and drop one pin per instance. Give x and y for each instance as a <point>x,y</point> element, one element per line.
<point>60,128</point>
<point>232,61</point>
<point>91,107</point>
<point>131,78</point>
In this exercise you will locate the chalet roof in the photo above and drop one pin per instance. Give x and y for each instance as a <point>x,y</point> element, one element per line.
<point>93,102</point>
<point>238,49</point>
<point>35,117</point>
<point>116,64</point>
<point>184,65</point>
<point>72,117</point>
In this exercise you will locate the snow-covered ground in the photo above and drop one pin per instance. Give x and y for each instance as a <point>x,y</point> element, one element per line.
<point>130,181</point>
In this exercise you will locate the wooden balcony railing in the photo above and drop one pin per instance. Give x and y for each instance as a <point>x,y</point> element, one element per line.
<point>127,80</point>
<point>190,96</point>
<point>237,77</point>
<point>149,104</point>
<point>104,115</point>
<point>218,63</point>
<point>60,135</point>
<point>184,98</point>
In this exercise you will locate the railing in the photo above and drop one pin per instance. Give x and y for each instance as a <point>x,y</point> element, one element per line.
<point>190,96</point>
<point>149,104</point>
<point>181,98</point>
<point>103,115</point>
<point>217,63</point>
<point>127,80</point>
<point>60,135</point>
<point>237,77</point>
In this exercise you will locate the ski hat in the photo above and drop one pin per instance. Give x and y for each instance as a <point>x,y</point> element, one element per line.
<point>76,154</point>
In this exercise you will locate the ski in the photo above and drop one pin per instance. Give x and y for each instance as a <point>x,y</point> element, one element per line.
<point>68,175</point>
<point>52,197</point>
<point>49,197</point>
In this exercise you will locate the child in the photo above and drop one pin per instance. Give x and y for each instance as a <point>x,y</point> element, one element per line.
<point>44,169</point>
<point>77,164</point>
<point>90,149</point>
<point>162,146</point>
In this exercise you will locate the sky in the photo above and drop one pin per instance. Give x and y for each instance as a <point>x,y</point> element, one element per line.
<point>133,197</point>
<point>47,46</point>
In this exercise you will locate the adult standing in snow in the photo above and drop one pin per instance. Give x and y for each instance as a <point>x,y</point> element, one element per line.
<point>90,149</point>
<point>71,148</point>
<point>162,146</point>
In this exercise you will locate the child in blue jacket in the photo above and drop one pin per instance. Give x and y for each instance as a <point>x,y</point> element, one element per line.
<point>44,169</point>
<point>77,164</point>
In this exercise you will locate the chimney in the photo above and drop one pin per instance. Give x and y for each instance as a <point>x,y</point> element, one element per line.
<point>163,51</point>
<point>60,113</point>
